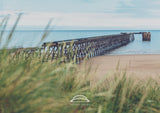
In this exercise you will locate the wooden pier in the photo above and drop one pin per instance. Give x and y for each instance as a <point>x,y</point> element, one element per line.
<point>79,49</point>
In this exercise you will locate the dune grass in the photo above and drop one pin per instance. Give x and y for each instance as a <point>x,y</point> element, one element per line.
<point>30,85</point>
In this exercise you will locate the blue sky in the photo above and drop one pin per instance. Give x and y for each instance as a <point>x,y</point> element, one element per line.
<point>117,14</point>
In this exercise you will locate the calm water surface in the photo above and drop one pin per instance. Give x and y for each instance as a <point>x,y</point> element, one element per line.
<point>32,38</point>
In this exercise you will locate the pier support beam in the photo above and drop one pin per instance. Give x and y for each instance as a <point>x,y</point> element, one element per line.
<point>146,36</point>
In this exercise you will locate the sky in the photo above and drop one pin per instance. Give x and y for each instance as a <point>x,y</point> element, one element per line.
<point>84,14</point>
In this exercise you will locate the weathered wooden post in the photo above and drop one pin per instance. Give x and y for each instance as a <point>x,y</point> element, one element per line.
<point>146,36</point>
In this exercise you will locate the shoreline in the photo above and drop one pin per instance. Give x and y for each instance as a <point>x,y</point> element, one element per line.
<point>129,54</point>
<point>141,66</point>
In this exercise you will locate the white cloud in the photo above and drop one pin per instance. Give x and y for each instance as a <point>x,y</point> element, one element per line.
<point>128,2</point>
<point>155,2</point>
<point>83,19</point>
<point>155,12</point>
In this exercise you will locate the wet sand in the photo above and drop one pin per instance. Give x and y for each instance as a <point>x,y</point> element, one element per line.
<point>136,65</point>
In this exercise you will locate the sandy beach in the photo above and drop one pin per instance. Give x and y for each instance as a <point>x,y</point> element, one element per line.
<point>137,65</point>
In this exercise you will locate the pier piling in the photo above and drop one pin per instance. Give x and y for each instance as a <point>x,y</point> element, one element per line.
<point>146,36</point>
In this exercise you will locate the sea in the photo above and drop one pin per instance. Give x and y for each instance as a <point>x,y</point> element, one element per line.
<point>31,38</point>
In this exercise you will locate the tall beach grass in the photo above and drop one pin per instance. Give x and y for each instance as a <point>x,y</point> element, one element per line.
<point>30,85</point>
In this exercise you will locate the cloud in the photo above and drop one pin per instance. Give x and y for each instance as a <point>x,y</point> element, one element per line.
<point>155,2</point>
<point>127,3</point>
<point>62,5</point>
<point>91,20</point>
<point>66,19</point>
<point>154,12</point>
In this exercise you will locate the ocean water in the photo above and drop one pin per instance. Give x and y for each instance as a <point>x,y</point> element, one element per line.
<point>32,38</point>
